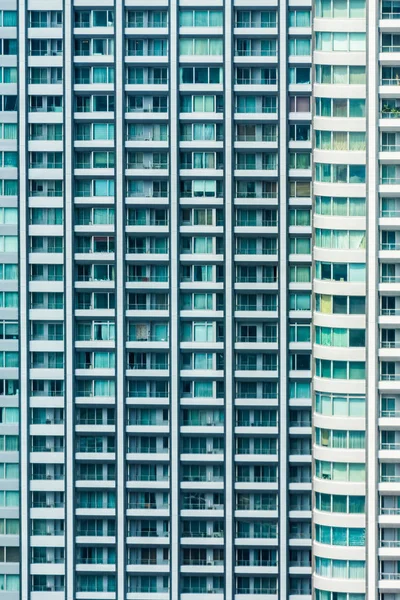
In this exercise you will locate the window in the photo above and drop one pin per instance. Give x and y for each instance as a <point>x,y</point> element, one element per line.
<point>299,389</point>
<point>340,471</point>
<point>299,217</point>
<point>299,301</point>
<point>9,583</point>
<point>299,18</point>
<point>300,274</point>
<point>342,74</point>
<point>340,42</point>
<point>340,304</point>
<point>328,173</point>
<point>201,103</point>
<point>354,272</point>
<point>340,107</point>
<point>353,9</point>
<point>8,131</point>
<point>338,438</point>
<point>8,187</point>
<point>299,75</point>
<point>9,471</point>
<point>300,245</point>
<point>200,18</point>
<point>8,243</point>
<point>345,338</point>
<point>299,189</point>
<point>253,18</point>
<point>299,160</point>
<point>339,503</point>
<point>201,47</point>
<point>299,104</point>
<point>340,239</point>
<point>340,536</point>
<point>201,75</point>
<point>340,140</point>
<point>299,47</point>
<point>339,369</point>
<point>340,207</point>
<point>8,18</point>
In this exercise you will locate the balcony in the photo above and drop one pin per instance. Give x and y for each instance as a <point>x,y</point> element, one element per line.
<point>258,591</point>
<point>266,339</point>
<point>271,52</point>
<point>256,81</point>
<point>390,112</point>
<point>187,562</point>
<point>147,589</point>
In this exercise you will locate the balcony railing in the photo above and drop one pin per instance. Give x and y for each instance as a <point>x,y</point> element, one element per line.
<point>257,339</point>
<point>263,223</point>
<point>150,81</point>
<point>390,246</point>
<point>256,423</point>
<point>147,505</point>
<point>47,588</point>
<point>390,213</point>
<point>392,48</point>
<point>256,81</point>
<point>144,366</point>
<point>147,589</point>
<point>256,563</point>
<point>257,479</point>
<point>247,590</point>
<point>202,562</point>
<point>136,24</point>
<point>390,414</point>
<point>256,194</point>
<point>147,278</point>
<point>147,222</point>
<point>390,278</point>
<point>390,80</point>
<point>390,511</point>
<point>390,113</point>
<point>256,279</point>
<point>145,307</point>
<point>257,52</point>
<point>148,533</point>
<point>390,446</point>
<point>202,506</point>
<point>250,24</point>
<point>390,148</point>
<point>390,543</point>
<point>137,165</point>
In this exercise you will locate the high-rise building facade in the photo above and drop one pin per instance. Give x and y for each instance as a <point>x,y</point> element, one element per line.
<point>156,294</point>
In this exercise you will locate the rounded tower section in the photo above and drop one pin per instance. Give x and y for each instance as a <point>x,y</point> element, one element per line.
<point>339,287</point>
